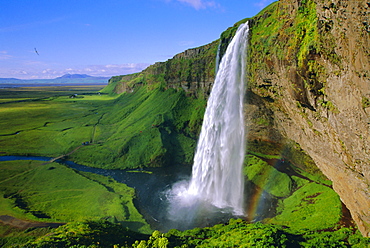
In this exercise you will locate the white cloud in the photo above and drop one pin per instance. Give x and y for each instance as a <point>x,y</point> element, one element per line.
<point>186,43</point>
<point>4,55</point>
<point>263,3</point>
<point>35,70</point>
<point>30,25</point>
<point>199,4</point>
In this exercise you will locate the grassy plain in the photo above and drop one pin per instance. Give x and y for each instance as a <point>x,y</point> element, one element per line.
<point>51,122</point>
<point>52,192</point>
<point>47,122</point>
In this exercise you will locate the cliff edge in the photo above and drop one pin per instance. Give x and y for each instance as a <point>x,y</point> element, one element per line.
<point>309,70</point>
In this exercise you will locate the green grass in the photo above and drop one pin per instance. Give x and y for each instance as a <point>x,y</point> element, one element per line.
<point>144,129</point>
<point>150,127</point>
<point>49,127</point>
<point>236,233</point>
<point>306,201</point>
<point>267,177</point>
<point>312,207</point>
<point>55,193</point>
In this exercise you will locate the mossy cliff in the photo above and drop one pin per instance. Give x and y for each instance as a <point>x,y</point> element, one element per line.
<point>309,64</point>
<point>308,97</point>
<point>192,71</point>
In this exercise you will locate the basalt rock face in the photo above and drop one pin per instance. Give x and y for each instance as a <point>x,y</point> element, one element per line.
<point>309,71</point>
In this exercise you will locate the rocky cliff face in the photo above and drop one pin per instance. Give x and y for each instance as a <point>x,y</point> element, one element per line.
<point>308,97</point>
<point>309,80</point>
<point>192,70</point>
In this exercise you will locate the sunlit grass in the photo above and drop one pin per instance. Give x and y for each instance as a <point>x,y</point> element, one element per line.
<point>30,189</point>
<point>312,207</point>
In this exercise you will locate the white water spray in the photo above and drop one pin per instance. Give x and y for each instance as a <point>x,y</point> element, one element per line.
<point>217,178</point>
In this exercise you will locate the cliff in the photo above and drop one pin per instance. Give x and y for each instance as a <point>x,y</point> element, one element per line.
<point>308,97</point>
<point>192,70</point>
<point>309,65</point>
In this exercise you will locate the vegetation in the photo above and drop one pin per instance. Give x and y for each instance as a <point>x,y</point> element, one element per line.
<point>311,207</point>
<point>236,233</point>
<point>267,177</point>
<point>52,192</point>
<point>126,131</point>
<point>365,102</point>
<point>155,121</point>
<point>292,40</point>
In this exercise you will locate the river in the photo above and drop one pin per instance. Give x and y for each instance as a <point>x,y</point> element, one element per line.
<point>151,187</point>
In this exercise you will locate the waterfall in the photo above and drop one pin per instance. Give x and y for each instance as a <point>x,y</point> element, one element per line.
<point>217,180</point>
<point>217,171</point>
<point>218,56</point>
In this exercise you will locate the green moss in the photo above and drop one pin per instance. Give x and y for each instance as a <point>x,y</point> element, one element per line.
<point>311,207</point>
<point>329,106</point>
<point>55,193</point>
<point>365,102</point>
<point>267,177</point>
<point>263,122</point>
<point>289,39</point>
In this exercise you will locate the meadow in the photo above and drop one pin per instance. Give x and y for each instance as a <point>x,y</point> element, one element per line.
<point>38,191</point>
<point>48,122</point>
<point>52,121</point>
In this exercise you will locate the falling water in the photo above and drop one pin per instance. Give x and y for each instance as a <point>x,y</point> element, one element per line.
<point>217,180</point>
<point>218,56</point>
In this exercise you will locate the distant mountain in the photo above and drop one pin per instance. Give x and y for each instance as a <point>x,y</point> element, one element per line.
<point>67,79</point>
<point>74,76</point>
<point>8,79</point>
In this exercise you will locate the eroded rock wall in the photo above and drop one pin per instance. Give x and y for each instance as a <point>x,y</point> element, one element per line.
<point>313,87</point>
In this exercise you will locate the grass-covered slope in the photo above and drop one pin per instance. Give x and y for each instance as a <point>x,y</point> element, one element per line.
<point>147,127</point>
<point>35,191</point>
<point>305,202</point>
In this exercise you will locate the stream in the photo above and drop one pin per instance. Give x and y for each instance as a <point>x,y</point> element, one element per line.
<point>151,187</point>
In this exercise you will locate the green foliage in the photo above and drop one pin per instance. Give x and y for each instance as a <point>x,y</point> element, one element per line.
<point>157,240</point>
<point>267,177</point>
<point>292,40</point>
<point>312,207</point>
<point>238,233</point>
<point>328,105</point>
<point>55,193</point>
<point>365,102</point>
<point>88,234</point>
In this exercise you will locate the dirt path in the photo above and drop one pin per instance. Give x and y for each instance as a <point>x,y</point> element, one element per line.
<point>24,224</point>
<point>65,155</point>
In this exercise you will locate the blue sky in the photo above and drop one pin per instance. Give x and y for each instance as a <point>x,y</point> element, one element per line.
<point>108,37</point>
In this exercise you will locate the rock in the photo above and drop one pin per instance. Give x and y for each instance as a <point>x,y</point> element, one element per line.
<point>322,109</point>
